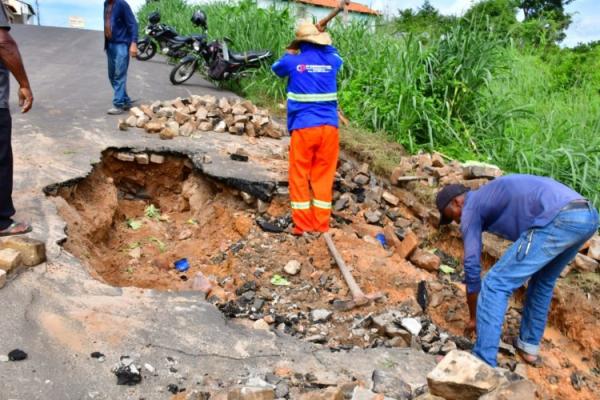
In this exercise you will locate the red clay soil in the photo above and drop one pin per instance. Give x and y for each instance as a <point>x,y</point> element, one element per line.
<point>214,229</point>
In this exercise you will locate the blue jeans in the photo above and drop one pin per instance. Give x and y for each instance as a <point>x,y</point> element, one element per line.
<point>540,255</point>
<point>118,63</point>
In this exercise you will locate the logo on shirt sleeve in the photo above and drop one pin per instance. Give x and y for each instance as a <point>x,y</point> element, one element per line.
<point>314,69</point>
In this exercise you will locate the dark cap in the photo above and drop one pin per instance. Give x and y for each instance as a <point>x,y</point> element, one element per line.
<point>445,196</point>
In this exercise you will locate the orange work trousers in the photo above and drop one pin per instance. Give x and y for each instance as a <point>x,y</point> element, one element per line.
<point>313,161</point>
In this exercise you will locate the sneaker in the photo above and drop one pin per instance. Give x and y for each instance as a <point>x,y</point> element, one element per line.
<point>115,111</point>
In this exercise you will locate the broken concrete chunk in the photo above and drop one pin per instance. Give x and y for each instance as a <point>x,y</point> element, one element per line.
<point>168,133</point>
<point>390,198</point>
<point>390,384</point>
<point>136,111</point>
<point>9,259</point>
<point>373,216</point>
<point>221,127</point>
<point>462,376</point>
<point>142,159</point>
<point>153,127</point>
<point>519,390</point>
<point>331,393</point>
<point>412,325</point>
<point>292,267</point>
<point>205,126</point>
<point>33,252</point>
<point>409,244</point>
<point>127,157</point>
<point>480,170</point>
<point>131,121</point>
<point>365,394</point>
<point>361,179</point>
<point>320,315</point>
<point>157,158</point>
<point>122,125</point>
<point>425,260</point>
<point>594,249</point>
<point>187,129</point>
<point>585,263</point>
<point>251,393</point>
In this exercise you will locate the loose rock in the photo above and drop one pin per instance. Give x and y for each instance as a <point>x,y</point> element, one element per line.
<point>462,376</point>
<point>292,267</point>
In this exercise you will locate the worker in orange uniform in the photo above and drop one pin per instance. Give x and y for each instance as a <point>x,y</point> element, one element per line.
<point>311,65</point>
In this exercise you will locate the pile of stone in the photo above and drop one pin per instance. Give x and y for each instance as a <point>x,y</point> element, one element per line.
<point>402,209</point>
<point>199,114</point>
<point>588,259</point>
<point>17,253</point>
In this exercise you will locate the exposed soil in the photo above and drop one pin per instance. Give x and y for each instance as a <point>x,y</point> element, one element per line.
<point>114,226</point>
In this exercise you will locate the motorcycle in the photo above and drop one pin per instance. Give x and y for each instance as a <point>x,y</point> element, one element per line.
<point>221,63</point>
<point>167,39</point>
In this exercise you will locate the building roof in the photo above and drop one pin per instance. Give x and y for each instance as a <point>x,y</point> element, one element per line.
<point>353,6</point>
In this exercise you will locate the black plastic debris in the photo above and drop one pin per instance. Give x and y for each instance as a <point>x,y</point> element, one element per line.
<point>275,225</point>
<point>96,354</point>
<point>174,389</point>
<point>17,355</point>
<point>127,372</point>
<point>422,295</point>
<point>239,157</point>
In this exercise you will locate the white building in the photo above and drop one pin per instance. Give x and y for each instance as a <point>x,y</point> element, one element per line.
<point>317,9</point>
<point>19,11</point>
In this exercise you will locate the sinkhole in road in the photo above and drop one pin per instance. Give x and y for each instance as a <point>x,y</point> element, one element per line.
<point>135,215</point>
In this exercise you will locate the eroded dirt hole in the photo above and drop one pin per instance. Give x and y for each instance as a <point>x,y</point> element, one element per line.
<point>130,222</point>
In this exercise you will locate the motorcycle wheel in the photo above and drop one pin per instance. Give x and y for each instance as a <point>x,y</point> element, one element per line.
<point>182,72</point>
<point>146,50</point>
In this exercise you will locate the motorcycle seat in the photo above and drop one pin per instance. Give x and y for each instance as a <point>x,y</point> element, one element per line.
<point>248,56</point>
<point>182,39</point>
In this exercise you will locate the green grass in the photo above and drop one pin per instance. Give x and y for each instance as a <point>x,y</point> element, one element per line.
<point>466,93</point>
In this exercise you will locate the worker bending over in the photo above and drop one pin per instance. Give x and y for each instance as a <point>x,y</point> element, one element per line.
<point>548,223</point>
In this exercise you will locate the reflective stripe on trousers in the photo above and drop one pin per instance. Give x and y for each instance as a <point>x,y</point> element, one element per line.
<point>312,165</point>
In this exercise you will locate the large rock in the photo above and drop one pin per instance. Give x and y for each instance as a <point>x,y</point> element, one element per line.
<point>594,250</point>
<point>331,393</point>
<point>365,394</point>
<point>409,244</point>
<point>585,263</point>
<point>520,390</point>
<point>462,376</point>
<point>391,385</point>
<point>425,260</point>
<point>481,170</point>
<point>9,259</point>
<point>33,252</point>
<point>251,393</point>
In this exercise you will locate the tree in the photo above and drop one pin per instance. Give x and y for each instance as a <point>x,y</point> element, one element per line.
<point>500,16</point>
<point>536,8</point>
<point>548,14</point>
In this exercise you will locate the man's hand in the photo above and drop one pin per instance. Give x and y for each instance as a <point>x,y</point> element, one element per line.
<point>133,50</point>
<point>470,329</point>
<point>25,99</point>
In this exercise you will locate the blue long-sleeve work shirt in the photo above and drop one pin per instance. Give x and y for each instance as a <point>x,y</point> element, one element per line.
<point>508,206</point>
<point>124,28</point>
<point>312,86</point>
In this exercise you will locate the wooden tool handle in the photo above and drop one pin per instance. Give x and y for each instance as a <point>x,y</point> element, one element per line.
<point>355,290</point>
<point>322,24</point>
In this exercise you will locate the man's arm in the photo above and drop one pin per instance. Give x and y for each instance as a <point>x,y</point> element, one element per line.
<point>281,67</point>
<point>471,232</point>
<point>11,58</point>
<point>132,29</point>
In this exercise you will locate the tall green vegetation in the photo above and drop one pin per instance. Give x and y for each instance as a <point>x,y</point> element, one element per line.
<point>481,87</point>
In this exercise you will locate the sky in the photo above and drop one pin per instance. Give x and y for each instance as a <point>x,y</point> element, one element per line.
<point>585,26</point>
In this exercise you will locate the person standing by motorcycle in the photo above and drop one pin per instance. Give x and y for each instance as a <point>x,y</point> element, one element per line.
<point>311,65</point>
<point>120,42</point>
